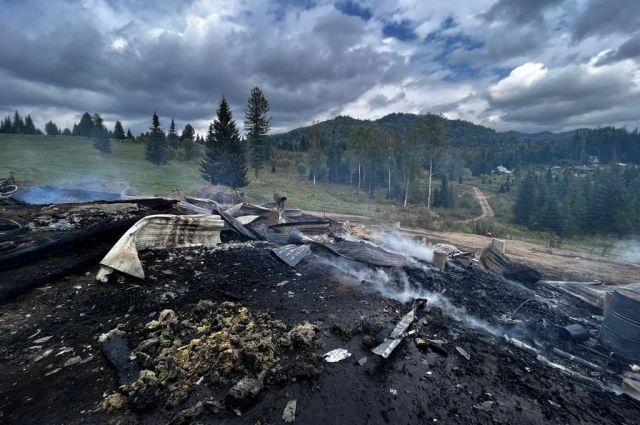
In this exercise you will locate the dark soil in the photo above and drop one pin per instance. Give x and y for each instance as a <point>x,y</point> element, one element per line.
<point>498,384</point>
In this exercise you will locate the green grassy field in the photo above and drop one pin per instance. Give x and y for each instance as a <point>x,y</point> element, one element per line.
<point>60,160</point>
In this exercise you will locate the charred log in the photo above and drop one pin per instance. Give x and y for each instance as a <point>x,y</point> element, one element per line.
<point>106,230</point>
<point>17,282</point>
<point>500,264</point>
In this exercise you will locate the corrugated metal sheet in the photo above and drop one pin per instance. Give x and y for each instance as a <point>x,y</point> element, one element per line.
<point>292,254</point>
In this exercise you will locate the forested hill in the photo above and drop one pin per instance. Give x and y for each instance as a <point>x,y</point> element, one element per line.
<point>461,133</point>
<point>481,148</point>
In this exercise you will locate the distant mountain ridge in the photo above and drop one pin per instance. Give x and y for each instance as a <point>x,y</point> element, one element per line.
<point>461,133</point>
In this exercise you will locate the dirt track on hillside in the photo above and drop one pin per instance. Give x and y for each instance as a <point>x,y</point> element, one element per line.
<point>487,211</point>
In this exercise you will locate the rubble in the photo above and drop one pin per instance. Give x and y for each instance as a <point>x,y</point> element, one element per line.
<point>215,345</point>
<point>233,333</point>
<point>399,331</point>
<point>160,231</point>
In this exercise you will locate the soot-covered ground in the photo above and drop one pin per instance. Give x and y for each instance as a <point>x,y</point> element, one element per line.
<point>53,369</point>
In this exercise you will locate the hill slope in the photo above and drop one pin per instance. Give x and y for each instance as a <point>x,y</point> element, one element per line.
<point>461,133</point>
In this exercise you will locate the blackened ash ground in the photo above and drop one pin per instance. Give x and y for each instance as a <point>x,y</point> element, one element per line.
<point>498,384</point>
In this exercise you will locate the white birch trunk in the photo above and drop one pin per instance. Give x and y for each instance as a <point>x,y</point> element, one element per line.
<point>429,191</point>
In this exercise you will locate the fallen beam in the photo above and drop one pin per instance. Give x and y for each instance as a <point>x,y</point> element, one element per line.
<point>72,239</point>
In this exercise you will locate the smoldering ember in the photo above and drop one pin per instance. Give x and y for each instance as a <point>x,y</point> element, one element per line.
<point>121,309</point>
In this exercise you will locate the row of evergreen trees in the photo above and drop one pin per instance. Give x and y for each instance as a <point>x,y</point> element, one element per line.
<point>225,154</point>
<point>225,157</point>
<point>605,202</point>
<point>17,125</point>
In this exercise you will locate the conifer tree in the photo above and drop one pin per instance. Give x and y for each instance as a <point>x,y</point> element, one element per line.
<point>66,132</point>
<point>51,128</point>
<point>256,127</point>
<point>129,135</point>
<point>85,126</point>
<point>100,135</point>
<point>6,126</point>
<point>189,132</point>
<point>525,200</point>
<point>155,150</point>
<point>118,131</point>
<point>172,136</point>
<point>224,160</point>
<point>29,127</point>
<point>18,123</point>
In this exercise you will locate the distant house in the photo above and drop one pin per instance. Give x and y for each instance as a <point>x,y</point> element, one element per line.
<point>594,160</point>
<point>501,171</point>
<point>583,170</point>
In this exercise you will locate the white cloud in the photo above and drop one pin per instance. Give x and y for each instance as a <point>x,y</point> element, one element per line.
<point>516,64</point>
<point>520,79</point>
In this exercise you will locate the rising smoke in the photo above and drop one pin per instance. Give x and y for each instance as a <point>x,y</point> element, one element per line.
<point>405,246</point>
<point>396,285</point>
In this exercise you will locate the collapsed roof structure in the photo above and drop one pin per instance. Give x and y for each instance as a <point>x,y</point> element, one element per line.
<point>147,310</point>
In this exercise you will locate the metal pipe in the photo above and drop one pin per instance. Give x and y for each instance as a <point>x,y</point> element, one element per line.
<point>577,359</point>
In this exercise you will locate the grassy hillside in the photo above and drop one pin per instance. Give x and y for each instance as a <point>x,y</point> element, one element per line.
<point>56,160</point>
<point>60,160</point>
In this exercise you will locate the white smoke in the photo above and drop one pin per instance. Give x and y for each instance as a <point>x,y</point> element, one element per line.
<point>404,245</point>
<point>628,250</point>
<point>396,285</point>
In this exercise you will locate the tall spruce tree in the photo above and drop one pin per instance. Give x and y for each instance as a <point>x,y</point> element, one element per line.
<point>256,127</point>
<point>189,132</point>
<point>18,123</point>
<point>84,127</point>
<point>172,136</point>
<point>525,200</point>
<point>6,126</point>
<point>29,127</point>
<point>51,128</point>
<point>155,150</point>
<point>118,131</point>
<point>100,135</point>
<point>224,159</point>
<point>129,135</point>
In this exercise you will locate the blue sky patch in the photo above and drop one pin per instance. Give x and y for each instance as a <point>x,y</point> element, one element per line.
<point>402,30</point>
<point>354,9</point>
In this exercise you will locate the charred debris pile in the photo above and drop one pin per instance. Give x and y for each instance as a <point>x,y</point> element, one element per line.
<point>183,310</point>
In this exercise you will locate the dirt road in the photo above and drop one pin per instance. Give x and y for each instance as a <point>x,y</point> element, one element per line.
<point>487,211</point>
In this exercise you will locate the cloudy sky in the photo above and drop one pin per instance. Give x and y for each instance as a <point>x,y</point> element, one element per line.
<point>528,65</point>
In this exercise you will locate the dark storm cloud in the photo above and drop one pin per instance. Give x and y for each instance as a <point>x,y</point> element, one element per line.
<point>520,11</point>
<point>494,47</point>
<point>629,50</point>
<point>321,67</point>
<point>381,100</point>
<point>313,59</point>
<point>575,93</point>
<point>602,17</point>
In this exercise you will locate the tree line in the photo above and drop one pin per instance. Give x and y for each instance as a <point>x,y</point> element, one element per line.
<point>606,201</point>
<point>226,155</point>
<point>18,125</point>
<point>374,158</point>
<point>474,147</point>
